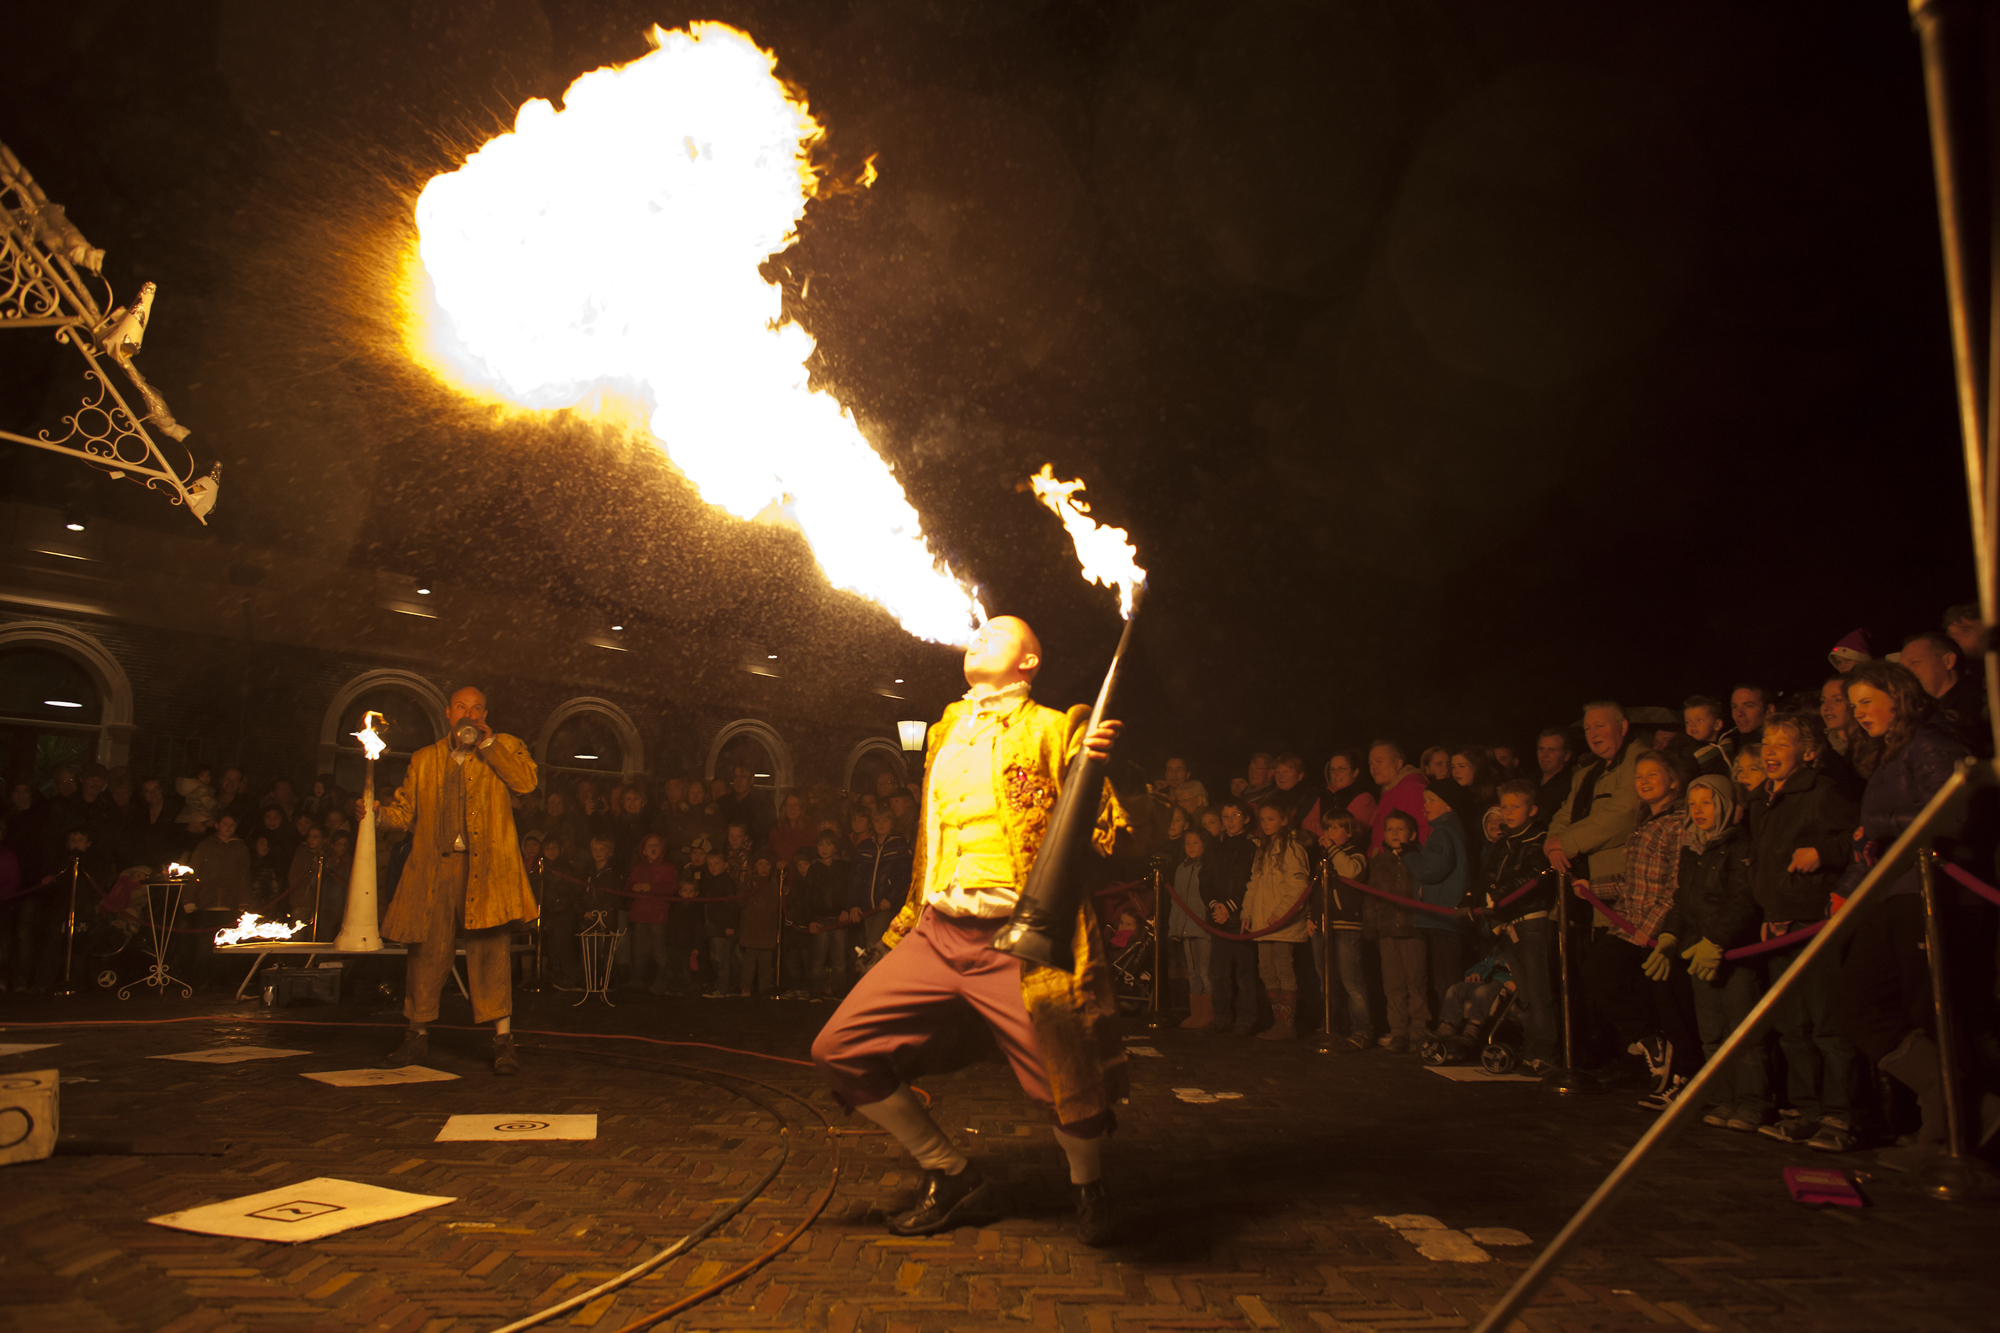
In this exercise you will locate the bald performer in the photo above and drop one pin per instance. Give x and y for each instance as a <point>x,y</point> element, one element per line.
<point>993,771</point>
<point>464,876</point>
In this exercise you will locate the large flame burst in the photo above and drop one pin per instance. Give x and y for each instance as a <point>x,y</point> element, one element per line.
<point>610,251</point>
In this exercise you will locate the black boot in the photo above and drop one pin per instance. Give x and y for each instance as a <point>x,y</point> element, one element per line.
<point>416,1046</point>
<point>505,1059</point>
<point>1094,1220</point>
<point>946,1201</point>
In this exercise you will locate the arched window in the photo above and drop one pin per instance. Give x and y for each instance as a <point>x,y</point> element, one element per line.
<point>756,746</point>
<point>583,744</point>
<point>407,725</point>
<point>873,757</point>
<point>50,715</point>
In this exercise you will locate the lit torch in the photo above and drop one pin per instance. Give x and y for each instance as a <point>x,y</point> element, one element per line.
<point>250,926</point>
<point>175,870</point>
<point>360,928</point>
<point>1044,919</point>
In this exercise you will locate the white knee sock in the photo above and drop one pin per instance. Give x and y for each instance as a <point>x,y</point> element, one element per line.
<point>1085,1164</point>
<point>911,1125</point>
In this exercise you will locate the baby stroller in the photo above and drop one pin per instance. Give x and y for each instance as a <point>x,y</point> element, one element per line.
<point>1496,1040</point>
<point>1129,950</point>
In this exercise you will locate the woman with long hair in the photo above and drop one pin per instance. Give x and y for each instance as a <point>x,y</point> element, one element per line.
<point>1280,875</point>
<point>1435,764</point>
<point>1883,997</point>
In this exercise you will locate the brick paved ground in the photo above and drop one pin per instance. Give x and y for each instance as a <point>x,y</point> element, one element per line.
<point>1255,1213</point>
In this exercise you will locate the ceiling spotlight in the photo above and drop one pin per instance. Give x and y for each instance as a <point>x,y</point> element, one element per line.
<point>60,703</point>
<point>423,592</point>
<point>899,680</point>
<point>615,629</point>
<point>774,657</point>
<point>73,520</point>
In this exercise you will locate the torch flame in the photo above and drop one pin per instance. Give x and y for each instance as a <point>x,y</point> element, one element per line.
<point>370,742</point>
<point>250,926</point>
<point>175,870</point>
<point>1106,554</point>
<point>610,250</point>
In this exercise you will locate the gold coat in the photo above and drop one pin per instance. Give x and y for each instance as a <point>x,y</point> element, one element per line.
<point>497,891</point>
<point>1075,1017</point>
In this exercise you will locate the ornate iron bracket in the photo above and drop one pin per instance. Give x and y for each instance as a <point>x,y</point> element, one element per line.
<point>43,263</point>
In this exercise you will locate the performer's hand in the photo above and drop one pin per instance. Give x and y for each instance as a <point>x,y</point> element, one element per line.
<point>1099,742</point>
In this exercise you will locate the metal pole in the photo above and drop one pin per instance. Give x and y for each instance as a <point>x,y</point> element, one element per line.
<point>1325,1045</point>
<point>1160,917</point>
<point>778,964</point>
<point>1957,1176</point>
<point>1927,18</point>
<point>1692,1098</point>
<point>1566,1081</point>
<point>69,929</point>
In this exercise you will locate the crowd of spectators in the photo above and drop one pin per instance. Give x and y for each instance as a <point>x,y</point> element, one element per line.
<point>701,885</point>
<point>1409,894</point>
<point>1701,847</point>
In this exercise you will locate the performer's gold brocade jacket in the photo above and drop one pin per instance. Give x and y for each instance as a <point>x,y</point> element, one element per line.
<point>496,890</point>
<point>1074,1016</point>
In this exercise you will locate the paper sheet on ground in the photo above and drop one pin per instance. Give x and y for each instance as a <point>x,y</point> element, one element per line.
<point>1474,1074</point>
<point>229,1055</point>
<point>1200,1098</point>
<point>309,1210</point>
<point>1435,1240</point>
<point>22,1047</point>
<point>368,1078</point>
<point>499,1128</point>
<point>1144,1050</point>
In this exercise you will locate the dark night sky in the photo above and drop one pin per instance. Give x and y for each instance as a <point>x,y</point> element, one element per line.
<point>1452,363</point>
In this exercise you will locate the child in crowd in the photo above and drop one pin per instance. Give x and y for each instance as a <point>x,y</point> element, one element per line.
<point>650,887</point>
<point>720,914</point>
<point>1518,887</point>
<point>603,892</point>
<point>1185,932</point>
<point>1404,966</point>
<point>1232,964</point>
<point>830,916</point>
<point>795,977</point>
<point>1337,950</point>
<point>1715,909</point>
<point>1469,1001</point>
<point>757,926</point>
<point>1442,870</point>
<point>1280,880</point>
<point>562,899</point>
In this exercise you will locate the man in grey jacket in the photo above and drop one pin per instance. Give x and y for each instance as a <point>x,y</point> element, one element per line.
<point>1587,834</point>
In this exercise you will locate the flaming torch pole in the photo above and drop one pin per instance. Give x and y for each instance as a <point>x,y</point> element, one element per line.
<point>1045,915</point>
<point>360,930</point>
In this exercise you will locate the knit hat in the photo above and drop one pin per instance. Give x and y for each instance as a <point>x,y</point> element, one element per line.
<point>1849,652</point>
<point>1723,789</point>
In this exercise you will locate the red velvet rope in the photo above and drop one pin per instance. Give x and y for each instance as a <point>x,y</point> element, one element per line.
<point>1786,940</point>
<point>1986,891</point>
<point>1277,925</point>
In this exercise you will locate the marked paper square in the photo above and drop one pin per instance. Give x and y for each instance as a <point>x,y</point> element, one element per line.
<point>500,1128</point>
<point>309,1210</point>
<point>368,1078</point>
<point>229,1055</point>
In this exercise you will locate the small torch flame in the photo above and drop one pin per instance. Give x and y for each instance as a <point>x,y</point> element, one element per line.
<point>370,742</point>
<point>1106,554</point>
<point>175,870</point>
<point>250,926</point>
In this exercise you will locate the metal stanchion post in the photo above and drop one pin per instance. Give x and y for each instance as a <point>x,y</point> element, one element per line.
<point>778,962</point>
<point>69,926</point>
<point>1956,1175</point>
<point>1326,1045</point>
<point>1154,1021</point>
<point>1566,1081</point>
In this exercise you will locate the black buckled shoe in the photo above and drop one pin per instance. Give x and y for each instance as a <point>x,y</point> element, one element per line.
<point>945,1202</point>
<point>416,1046</point>
<point>506,1060</point>
<point>1094,1219</point>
